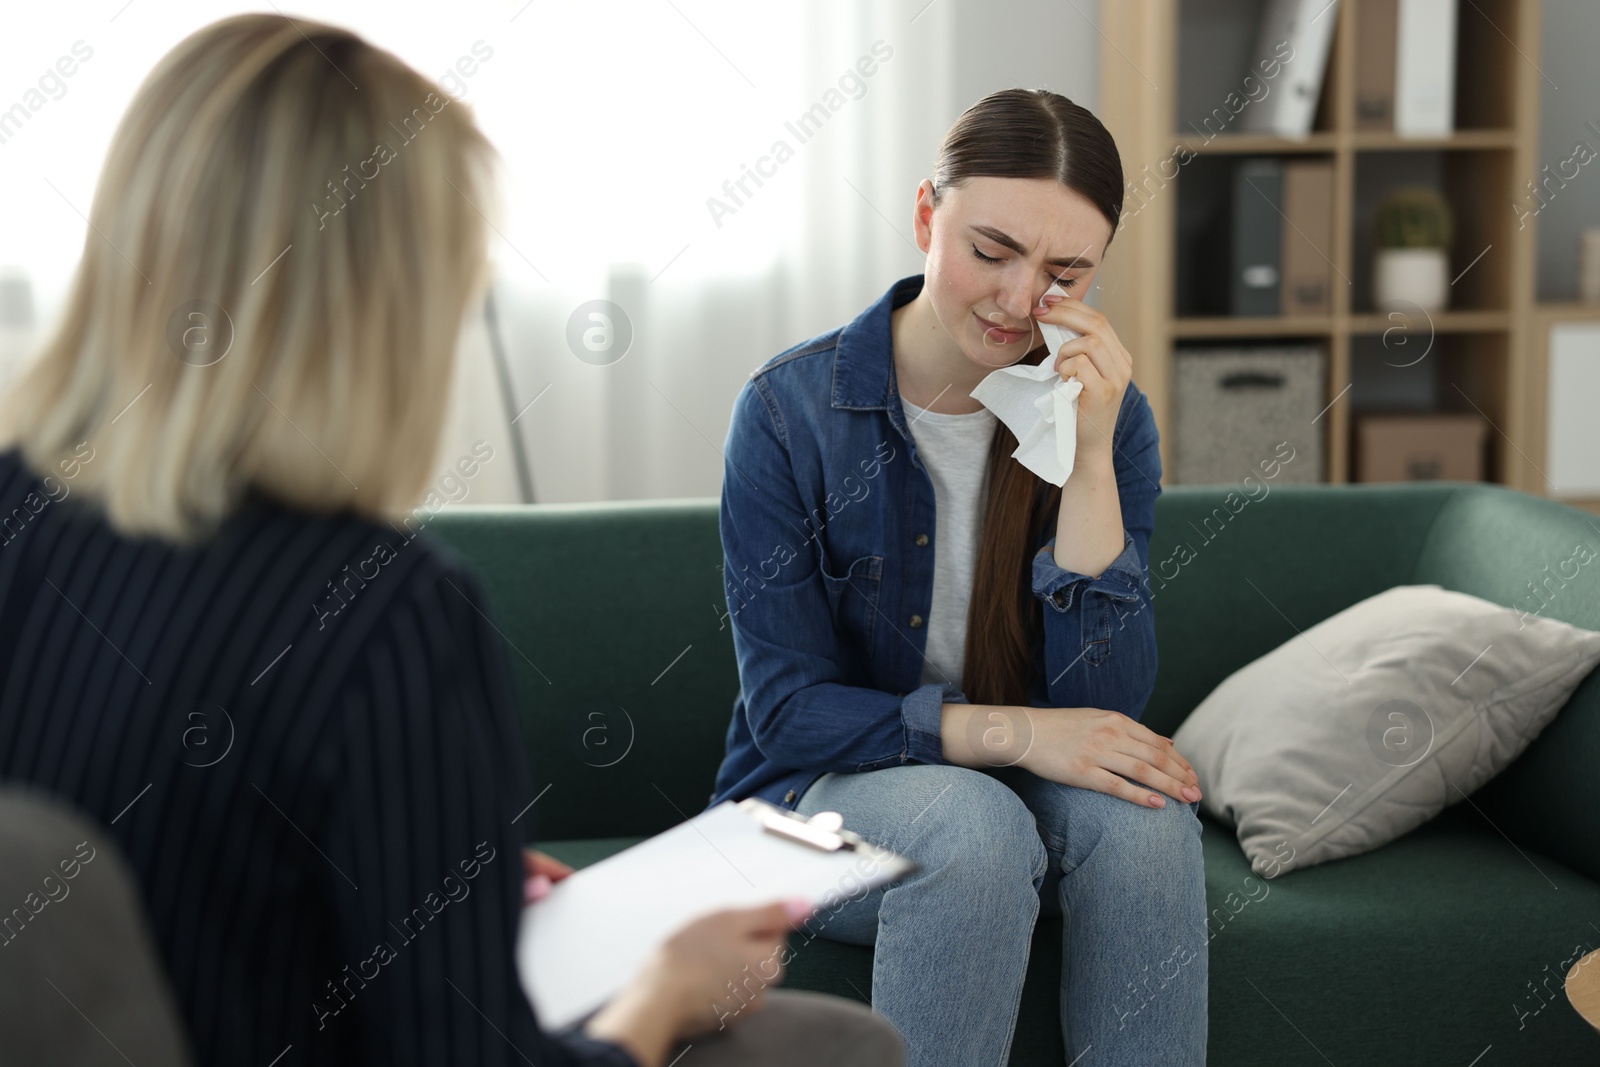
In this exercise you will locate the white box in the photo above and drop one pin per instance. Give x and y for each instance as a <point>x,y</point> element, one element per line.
<point>1425,68</point>
<point>1572,453</point>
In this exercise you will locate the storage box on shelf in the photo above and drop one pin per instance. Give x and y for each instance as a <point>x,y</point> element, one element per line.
<point>1237,407</point>
<point>1422,447</point>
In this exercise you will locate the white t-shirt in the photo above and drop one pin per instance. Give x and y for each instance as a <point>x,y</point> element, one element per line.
<point>955,449</point>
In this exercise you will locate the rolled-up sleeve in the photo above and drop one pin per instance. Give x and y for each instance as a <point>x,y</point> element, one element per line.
<point>1123,578</point>
<point>801,710</point>
<point>922,709</point>
<point>1099,630</point>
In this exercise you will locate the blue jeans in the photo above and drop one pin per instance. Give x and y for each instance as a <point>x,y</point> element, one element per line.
<point>995,847</point>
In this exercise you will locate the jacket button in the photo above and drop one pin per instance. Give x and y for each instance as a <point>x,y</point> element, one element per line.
<point>922,539</point>
<point>916,620</point>
<point>788,798</point>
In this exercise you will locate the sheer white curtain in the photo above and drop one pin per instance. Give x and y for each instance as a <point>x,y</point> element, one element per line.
<point>618,122</point>
<point>716,88</point>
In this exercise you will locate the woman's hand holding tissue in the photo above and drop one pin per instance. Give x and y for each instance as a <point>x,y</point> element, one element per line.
<point>1101,364</point>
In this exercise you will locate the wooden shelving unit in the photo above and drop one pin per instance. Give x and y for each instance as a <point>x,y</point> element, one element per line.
<point>1484,344</point>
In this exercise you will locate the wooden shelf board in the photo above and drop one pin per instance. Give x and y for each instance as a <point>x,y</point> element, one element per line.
<point>1443,321</point>
<point>1326,325</point>
<point>1459,140</point>
<point>1226,143</point>
<point>1252,326</point>
<point>1566,309</point>
<point>1323,141</point>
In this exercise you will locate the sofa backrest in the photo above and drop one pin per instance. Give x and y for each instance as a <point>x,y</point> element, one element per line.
<point>1543,558</point>
<point>1233,576</point>
<point>614,619</point>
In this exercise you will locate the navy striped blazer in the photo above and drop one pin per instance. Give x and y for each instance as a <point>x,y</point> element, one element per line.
<point>303,733</point>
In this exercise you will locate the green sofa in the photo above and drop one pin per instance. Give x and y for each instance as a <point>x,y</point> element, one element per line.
<point>1442,947</point>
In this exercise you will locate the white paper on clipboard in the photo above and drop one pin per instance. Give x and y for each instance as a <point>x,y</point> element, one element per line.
<point>589,936</point>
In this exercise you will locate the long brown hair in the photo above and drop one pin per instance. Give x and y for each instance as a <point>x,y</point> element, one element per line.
<point>1019,133</point>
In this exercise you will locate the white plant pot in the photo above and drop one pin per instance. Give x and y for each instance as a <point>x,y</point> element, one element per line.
<point>1411,277</point>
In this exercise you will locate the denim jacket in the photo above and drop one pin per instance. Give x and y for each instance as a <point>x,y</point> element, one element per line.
<point>827,520</point>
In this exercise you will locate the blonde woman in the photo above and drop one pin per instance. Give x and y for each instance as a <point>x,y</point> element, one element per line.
<point>220,635</point>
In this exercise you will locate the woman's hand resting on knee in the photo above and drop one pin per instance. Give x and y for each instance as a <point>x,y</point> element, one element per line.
<point>1086,747</point>
<point>710,974</point>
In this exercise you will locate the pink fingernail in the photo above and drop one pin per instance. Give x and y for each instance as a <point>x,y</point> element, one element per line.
<point>797,909</point>
<point>536,888</point>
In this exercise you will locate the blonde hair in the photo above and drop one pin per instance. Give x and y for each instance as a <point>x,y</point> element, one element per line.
<point>282,246</point>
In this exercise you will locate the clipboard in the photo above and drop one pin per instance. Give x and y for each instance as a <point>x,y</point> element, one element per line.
<point>589,936</point>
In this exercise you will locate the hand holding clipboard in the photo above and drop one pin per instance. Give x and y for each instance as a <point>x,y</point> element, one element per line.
<point>596,928</point>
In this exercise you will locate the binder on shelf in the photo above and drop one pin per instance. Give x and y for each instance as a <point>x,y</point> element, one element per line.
<point>1425,68</point>
<point>1307,237</point>
<point>1302,30</point>
<point>1378,22</point>
<point>589,936</point>
<point>1256,242</point>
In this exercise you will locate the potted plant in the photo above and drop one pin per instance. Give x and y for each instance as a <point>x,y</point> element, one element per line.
<point>1412,264</point>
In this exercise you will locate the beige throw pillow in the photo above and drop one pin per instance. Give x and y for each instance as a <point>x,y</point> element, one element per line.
<point>1373,721</point>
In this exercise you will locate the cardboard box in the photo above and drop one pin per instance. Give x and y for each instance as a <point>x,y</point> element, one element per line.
<point>1422,447</point>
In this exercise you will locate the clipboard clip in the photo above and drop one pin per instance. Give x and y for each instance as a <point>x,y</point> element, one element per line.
<point>824,830</point>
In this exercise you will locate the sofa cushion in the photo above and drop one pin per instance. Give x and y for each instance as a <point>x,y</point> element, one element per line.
<point>1427,950</point>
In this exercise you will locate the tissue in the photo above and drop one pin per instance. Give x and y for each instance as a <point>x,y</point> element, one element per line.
<point>1038,406</point>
